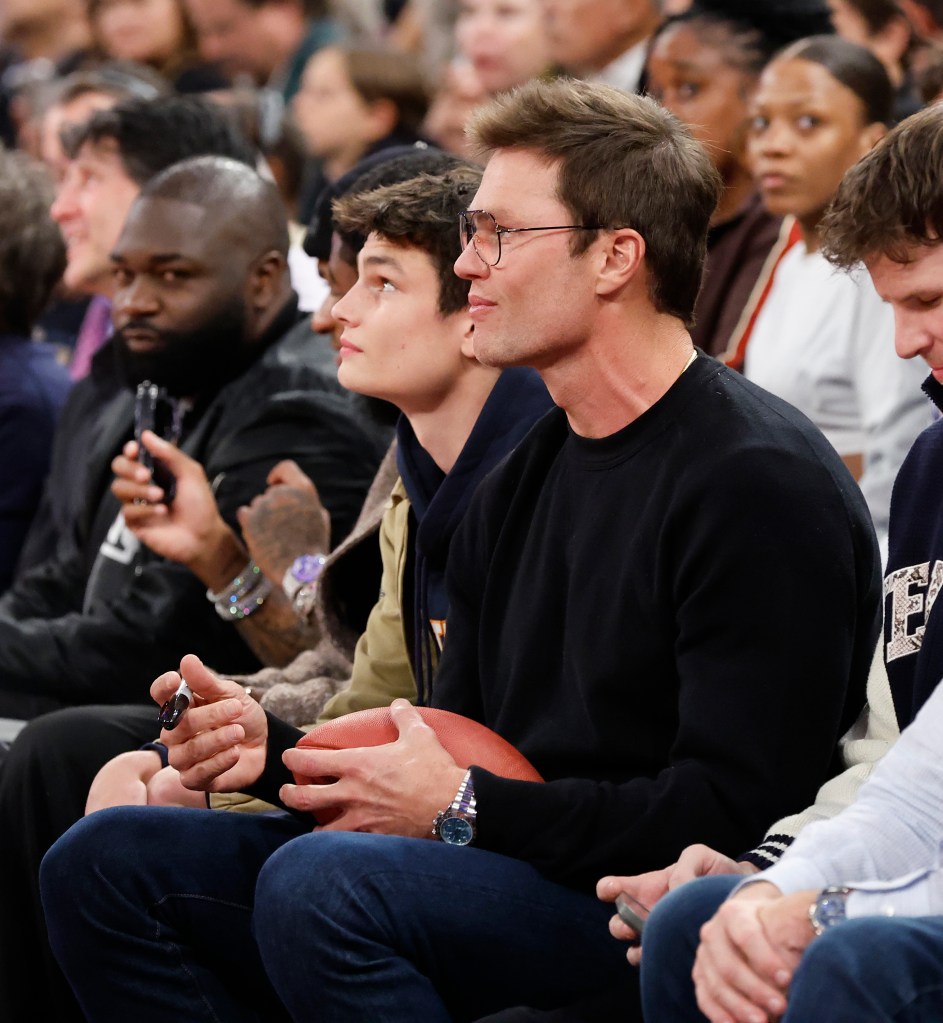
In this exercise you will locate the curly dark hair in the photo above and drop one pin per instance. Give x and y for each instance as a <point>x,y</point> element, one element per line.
<point>422,212</point>
<point>151,135</point>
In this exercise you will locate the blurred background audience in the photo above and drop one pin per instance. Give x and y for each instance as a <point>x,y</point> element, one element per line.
<point>314,85</point>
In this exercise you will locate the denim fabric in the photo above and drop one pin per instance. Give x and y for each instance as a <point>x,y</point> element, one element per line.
<point>149,912</point>
<point>668,947</point>
<point>160,914</point>
<point>865,970</point>
<point>879,969</point>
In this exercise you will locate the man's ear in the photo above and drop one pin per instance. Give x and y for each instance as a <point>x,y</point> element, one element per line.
<point>622,260</point>
<point>466,325</point>
<point>267,280</point>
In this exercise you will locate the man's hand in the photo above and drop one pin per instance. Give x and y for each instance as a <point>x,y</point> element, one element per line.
<point>396,789</point>
<point>123,780</point>
<point>695,861</point>
<point>166,789</point>
<point>285,521</point>
<point>190,531</point>
<point>748,954</point>
<point>220,743</point>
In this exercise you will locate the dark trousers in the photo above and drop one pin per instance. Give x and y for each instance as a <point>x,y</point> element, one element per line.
<point>43,787</point>
<point>871,969</point>
<point>197,915</point>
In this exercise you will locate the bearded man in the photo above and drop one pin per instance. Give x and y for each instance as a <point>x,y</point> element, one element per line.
<point>203,299</point>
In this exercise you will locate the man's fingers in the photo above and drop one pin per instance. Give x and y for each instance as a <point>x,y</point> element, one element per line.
<point>201,747</point>
<point>409,722</point>
<point>205,682</point>
<point>607,888</point>
<point>319,763</point>
<point>762,958</point>
<point>310,798</point>
<point>129,467</point>
<point>618,928</point>
<point>164,686</point>
<point>202,776</point>
<point>733,994</point>
<point>162,449</point>
<point>724,975</point>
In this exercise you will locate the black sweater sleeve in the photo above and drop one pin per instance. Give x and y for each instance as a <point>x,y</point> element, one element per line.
<point>281,736</point>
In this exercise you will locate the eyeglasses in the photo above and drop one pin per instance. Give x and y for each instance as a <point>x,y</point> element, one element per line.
<point>479,229</point>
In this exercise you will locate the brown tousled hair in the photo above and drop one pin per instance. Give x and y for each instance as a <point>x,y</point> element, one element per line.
<point>624,161</point>
<point>422,212</point>
<point>892,199</point>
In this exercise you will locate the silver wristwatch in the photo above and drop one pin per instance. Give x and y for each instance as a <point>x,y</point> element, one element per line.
<point>456,824</point>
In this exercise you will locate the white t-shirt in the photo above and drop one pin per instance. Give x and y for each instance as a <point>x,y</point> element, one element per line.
<point>824,341</point>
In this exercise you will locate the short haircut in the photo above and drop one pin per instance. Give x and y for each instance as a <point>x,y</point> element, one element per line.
<point>854,67</point>
<point>624,161</point>
<point>150,135</point>
<point>32,252</point>
<point>387,167</point>
<point>423,213</point>
<point>246,205</point>
<point>892,199</point>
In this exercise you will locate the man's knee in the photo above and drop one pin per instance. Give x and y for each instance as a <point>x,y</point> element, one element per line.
<point>87,847</point>
<point>676,920</point>
<point>322,876</point>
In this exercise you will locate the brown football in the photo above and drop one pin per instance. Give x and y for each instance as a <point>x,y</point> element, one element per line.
<point>466,741</point>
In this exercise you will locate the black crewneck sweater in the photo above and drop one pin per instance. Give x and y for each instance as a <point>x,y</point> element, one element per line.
<point>674,623</point>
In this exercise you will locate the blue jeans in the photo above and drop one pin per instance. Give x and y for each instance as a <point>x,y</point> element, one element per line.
<point>159,913</point>
<point>866,970</point>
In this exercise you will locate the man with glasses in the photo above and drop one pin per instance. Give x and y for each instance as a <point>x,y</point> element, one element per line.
<point>671,582</point>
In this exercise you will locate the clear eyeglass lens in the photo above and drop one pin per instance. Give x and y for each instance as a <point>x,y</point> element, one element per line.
<point>484,231</point>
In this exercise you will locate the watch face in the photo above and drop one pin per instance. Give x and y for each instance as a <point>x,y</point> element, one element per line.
<point>830,908</point>
<point>456,831</point>
<point>307,567</point>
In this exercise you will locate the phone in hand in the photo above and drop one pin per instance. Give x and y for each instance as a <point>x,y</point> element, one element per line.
<point>155,410</point>
<point>632,912</point>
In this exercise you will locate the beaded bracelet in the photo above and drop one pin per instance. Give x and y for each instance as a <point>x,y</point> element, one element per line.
<point>243,584</point>
<point>235,611</point>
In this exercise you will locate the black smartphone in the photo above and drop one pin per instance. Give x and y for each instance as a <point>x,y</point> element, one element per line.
<point>155,410</point>
<point>632,912</point>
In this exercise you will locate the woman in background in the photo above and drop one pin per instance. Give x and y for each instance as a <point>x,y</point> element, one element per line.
<point>505,41</point>
<point>824,340</point>
<point>355,101</point>
<point>703,66</point>
<point>156,33</point>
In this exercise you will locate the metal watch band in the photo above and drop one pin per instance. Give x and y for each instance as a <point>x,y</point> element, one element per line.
<point>828,908</point>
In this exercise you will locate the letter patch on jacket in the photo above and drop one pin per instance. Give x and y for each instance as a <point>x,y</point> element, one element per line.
<point>912,592</point>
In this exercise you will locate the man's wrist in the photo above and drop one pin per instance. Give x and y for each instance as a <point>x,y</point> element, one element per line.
<point>759,891</point>
<point>828,908</point>
<point>457,823</point>
<point>221,558</point>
